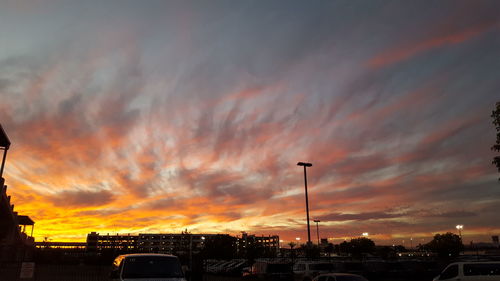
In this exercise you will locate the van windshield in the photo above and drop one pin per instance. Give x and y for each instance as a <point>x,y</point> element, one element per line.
<point>152,267</point>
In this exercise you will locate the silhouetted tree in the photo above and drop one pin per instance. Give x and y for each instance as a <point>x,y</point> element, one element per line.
<point>219,247</point>
<point>357,247</point>
<point>400,249</point>
<point>310,250</point>
<point>446,245</point>
<point>386,252</point>
<point>344,248</point>
<point>496,147</point>
<point>362,245</point>
<point>292,252</point>
<point>329,249</point>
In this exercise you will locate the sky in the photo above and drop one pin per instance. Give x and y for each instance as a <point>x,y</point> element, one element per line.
<point>161,116</point>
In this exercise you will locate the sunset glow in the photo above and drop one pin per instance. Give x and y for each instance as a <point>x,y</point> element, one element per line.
<point>161,116</point>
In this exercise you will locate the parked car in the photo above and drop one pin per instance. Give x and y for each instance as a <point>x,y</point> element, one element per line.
<point>147,267</point>
<point>470,271</point>
<point>269,271</point>
<point>339,277</point>
<point>307,270</point>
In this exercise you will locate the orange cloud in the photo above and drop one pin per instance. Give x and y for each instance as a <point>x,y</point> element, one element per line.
<point>405,52</point>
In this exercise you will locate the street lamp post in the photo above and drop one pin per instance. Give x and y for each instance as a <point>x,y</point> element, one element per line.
<point>460,227</point>
<point>307,199</point>
<point>317,228</point>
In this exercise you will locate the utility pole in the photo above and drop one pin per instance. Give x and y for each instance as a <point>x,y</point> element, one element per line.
<point>317,228</point>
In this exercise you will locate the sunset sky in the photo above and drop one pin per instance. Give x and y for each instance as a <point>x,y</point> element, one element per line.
<point>160,116</point>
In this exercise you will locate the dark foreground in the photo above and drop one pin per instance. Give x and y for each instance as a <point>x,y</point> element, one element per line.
<point>51,272</point>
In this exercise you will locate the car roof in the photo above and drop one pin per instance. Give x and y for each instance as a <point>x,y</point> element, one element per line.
<point>310,262</point>
<point>338,274</point>
<point>145,255</point>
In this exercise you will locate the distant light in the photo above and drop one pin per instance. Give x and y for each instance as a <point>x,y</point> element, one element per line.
<point>365,234</point>
<point>281,241</point>
<point>202,237</point>
<point>460,226</point>
<point>298,238</point>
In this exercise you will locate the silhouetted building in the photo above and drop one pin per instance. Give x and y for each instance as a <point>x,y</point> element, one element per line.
<point>261,244</point>
<point>96,242</point>
<point>148,242</point>
<point>171,243</point>
<point>61,245</point>
<point>15,244</point>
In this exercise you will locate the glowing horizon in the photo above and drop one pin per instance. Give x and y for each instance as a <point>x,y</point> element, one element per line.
<point>157,117</point>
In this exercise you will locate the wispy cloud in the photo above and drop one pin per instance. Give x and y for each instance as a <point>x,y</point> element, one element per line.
<point>144,120</point>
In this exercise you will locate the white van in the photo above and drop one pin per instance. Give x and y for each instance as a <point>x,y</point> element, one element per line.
<point>147,267</point>
<point>471,271</point>
<point>307,270</point>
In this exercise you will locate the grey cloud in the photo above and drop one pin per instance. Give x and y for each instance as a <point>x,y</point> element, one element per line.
<point>452,214</point>
<point>359,216</point>
<point>80,198</point>
<point>70,104</point>
<point>4,84</point>
<point>104,212</point>
<point>226,188</point>
<point>170,203</point>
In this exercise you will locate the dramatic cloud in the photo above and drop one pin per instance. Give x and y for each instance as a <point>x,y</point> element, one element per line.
<point>82,198</point>
<point>159,117</point>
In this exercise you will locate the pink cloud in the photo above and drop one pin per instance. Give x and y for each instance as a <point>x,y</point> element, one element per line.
<point>403,53</point>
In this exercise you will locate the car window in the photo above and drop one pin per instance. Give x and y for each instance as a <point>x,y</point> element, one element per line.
<point>482,269</point>
<point>450,272</point>
<point>152,267</point>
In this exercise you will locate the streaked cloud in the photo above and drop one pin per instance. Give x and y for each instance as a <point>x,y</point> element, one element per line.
<point>159,117</point>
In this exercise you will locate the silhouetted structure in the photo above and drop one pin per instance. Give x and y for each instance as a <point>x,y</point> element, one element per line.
<point>15,244</point>
<point>305,165</point>
<point>96,242</point>
<point>61,245</point>
<point>183,243</point>
<point>261,245</point>
<point>4,145</point>
<point>172,243</point>
<point>148,242</point>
